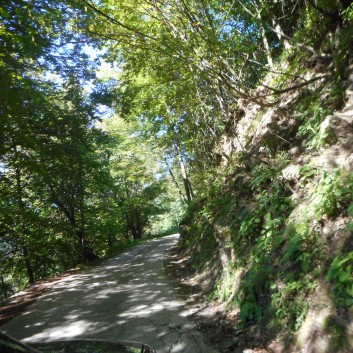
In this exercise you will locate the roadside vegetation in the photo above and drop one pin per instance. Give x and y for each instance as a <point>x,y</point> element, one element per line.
<point>234,116</point>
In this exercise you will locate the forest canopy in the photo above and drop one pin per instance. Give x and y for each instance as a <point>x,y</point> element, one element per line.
<point>89,162</point>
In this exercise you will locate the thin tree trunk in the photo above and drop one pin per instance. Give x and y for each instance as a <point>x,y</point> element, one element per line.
<point>257,15</point>
<point>87,253</point>
<point>29,269</point>
<point>282,38</point>
<point>264,39</point>
<point>138,225</point>
<point>174,180</point>
<point>186,180</point>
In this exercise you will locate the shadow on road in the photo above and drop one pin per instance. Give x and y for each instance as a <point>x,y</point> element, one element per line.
<point>125,298</point>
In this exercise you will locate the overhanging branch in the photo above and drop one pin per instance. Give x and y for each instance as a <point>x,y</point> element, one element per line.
<point>299,85</point>
<point>115,21</point>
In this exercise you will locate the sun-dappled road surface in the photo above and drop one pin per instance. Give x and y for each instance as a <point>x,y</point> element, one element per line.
<point>125,298</point>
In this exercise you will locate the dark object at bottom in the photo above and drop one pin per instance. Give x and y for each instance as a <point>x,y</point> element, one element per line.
<point>10,345</point>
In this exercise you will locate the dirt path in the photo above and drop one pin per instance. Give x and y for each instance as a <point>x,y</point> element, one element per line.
<point>125,298</point>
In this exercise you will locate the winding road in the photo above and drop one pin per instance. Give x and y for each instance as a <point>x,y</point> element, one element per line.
<point>127,297</point>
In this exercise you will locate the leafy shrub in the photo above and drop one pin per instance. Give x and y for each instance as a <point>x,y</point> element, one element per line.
<point>289,302</point>
<point>252,291</point>
<point>340,274</point>
<point>333,193</point>
<point>312,113</point>
<point>302,246</point>
<point>6,287</point>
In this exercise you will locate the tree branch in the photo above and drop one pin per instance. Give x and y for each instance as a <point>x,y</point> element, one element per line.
<point>299,85</point>
<point>116,22</point>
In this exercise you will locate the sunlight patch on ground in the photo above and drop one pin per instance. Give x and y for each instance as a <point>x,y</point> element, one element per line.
<point>69,330</point>
<point>146,311</point>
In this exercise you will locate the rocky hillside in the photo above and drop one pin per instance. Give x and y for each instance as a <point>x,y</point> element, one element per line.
<point>272,239</point>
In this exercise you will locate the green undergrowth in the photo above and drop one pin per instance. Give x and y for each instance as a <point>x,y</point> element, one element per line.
<point>197,221</point>
<point>280,257</point>
<point>279,254</point>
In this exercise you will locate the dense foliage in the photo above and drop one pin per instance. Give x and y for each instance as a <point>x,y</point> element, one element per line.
<point>71,190</point>
<point>88,163</point>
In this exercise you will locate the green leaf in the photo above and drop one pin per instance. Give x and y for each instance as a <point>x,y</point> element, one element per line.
<point>349,301</point>
<point>338,192</point>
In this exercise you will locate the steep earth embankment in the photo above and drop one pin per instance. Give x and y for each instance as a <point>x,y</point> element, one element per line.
<point>271,240</point>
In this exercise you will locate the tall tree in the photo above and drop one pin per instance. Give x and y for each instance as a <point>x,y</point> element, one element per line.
<point>139,181</point>
<point>40,50</point>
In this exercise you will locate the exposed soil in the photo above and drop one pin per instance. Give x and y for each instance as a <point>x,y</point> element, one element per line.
<point>219,326</point>
<point>17,303</point>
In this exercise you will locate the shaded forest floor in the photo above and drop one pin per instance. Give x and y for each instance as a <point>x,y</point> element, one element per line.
<point>218,326</point>
<point>17,303</point>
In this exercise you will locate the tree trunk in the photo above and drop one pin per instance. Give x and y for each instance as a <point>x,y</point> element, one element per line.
<point>87,253</point>
<point>136,224</point>
<point>257,15</point>
<point>174,180</point>
<point>282,38</point>
<point>139,225</point>
<point>187,183</point>
<point>264,39</point>
<point>29,269</point>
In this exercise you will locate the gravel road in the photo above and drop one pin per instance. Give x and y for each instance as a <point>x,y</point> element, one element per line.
<point>127,297</point>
